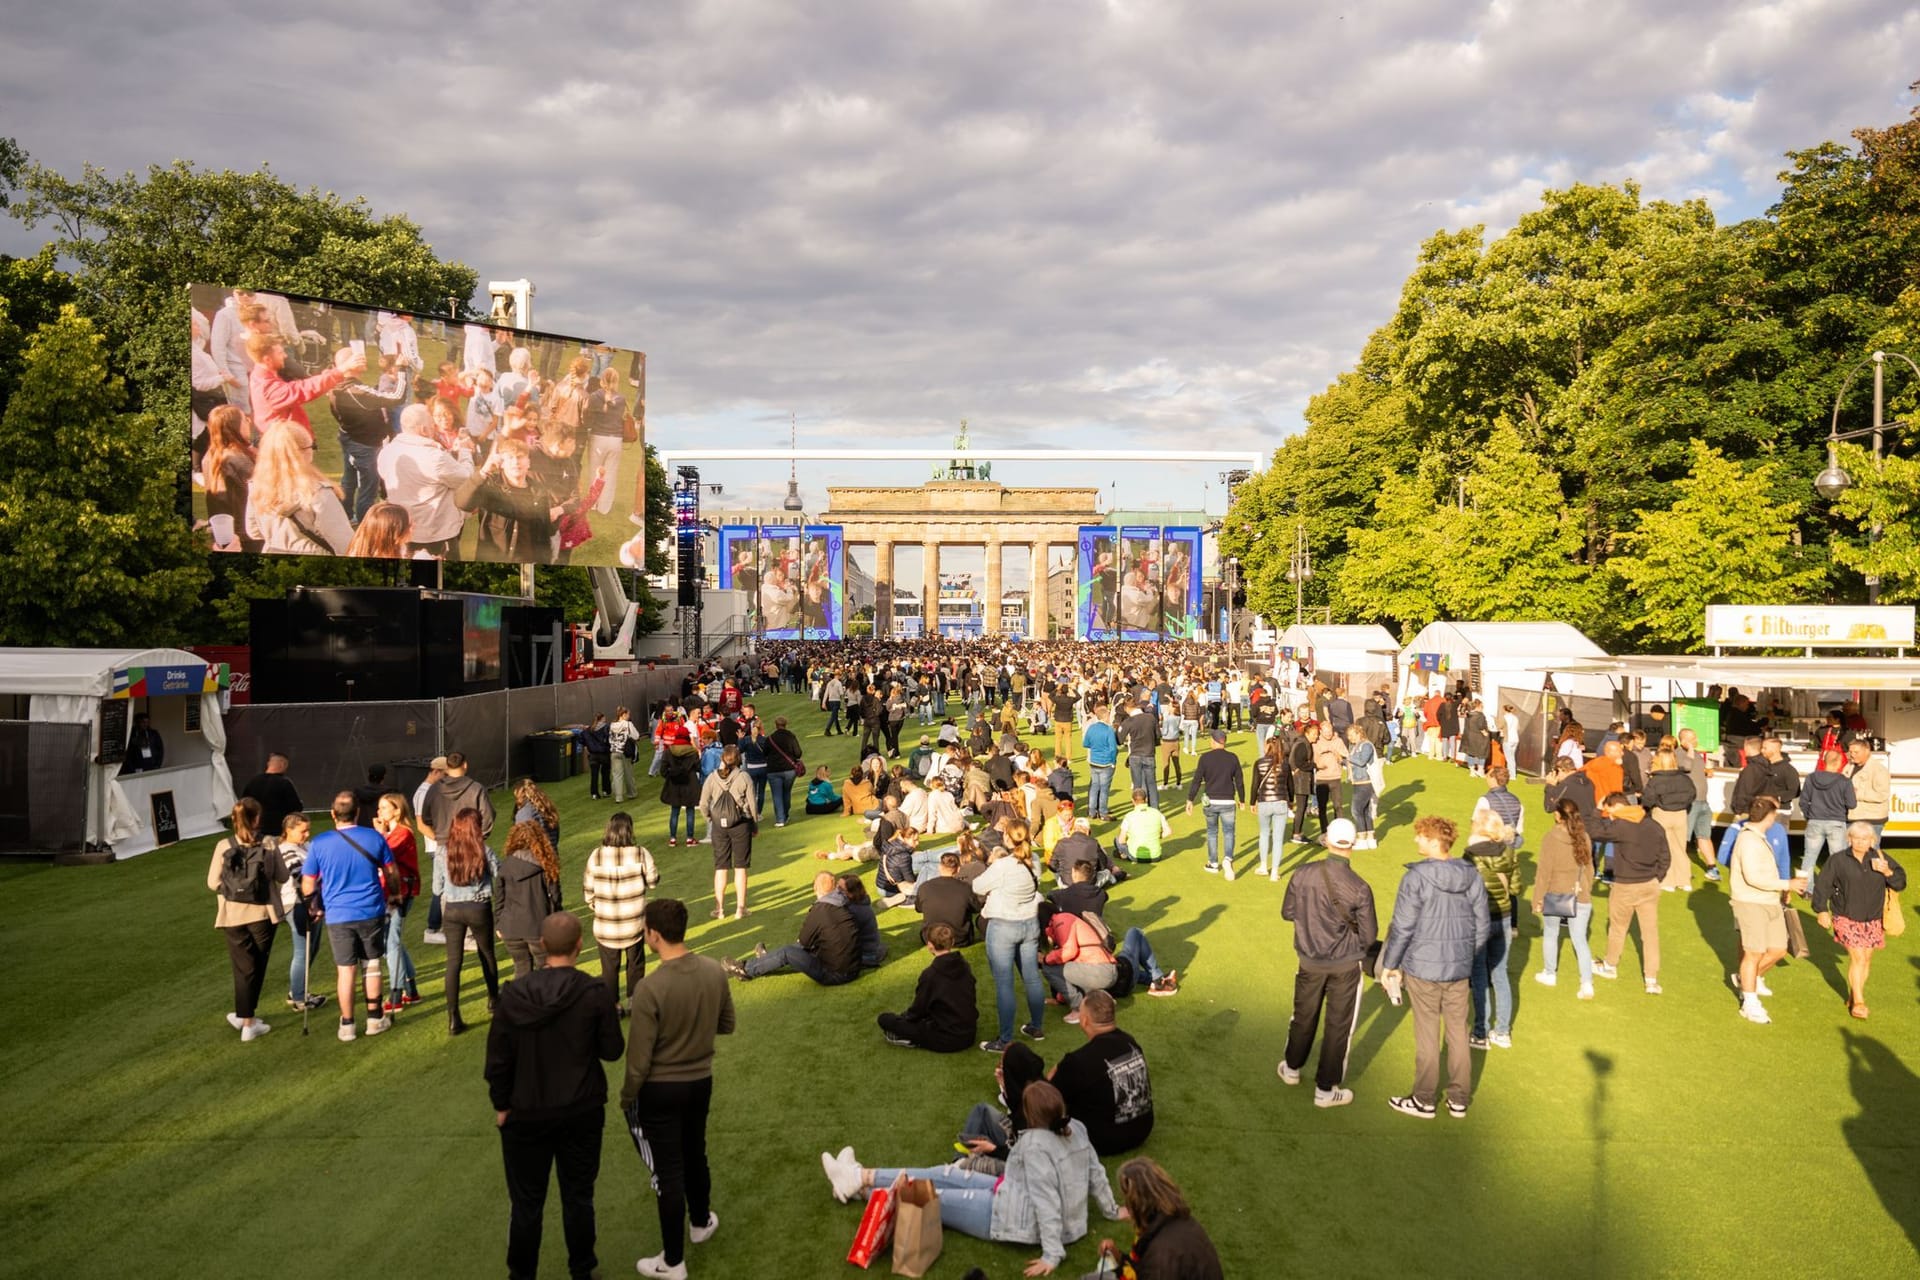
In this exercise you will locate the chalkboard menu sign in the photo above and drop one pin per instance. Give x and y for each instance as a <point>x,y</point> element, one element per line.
<point>166,819</point>
<point>113,731</point>
<point>192,709</point>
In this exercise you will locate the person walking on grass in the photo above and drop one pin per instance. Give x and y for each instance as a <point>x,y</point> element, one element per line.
<point>678,1010</point>
<point>1565,868</point>
<point>1272,802</point>
<point>623,748</point>
<point>1850,898</point>
<point>553,1029</point>
<point>1492,854</point>
<point>247,873</point>
<point>726,799</point>
<point>1756,888</point>
<point>1334,928</point>
<point>464,877</point>
<point>1640,860</point>
<point>347,860</point>
<point>1440,920</point>
<point>619,873</point>
<point>1217,772</point>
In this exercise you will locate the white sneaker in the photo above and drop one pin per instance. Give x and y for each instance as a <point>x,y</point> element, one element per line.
<point>1546,979</point>
<point>1586,992</point>
<point>1760,987</point>
<point>1229,868</point>
<point>1601,969</point>
<point>1653,988</point>
<point>253,1031</point>
<point>1335,1097</point>
<point>700,1235</point>
<point>1500,1040</point>
<point>844,1173</point>
<point>657,1267</point>
<point>235,1021</point>
<point>347,1032</point>
<point>1287,1073</point>
<point>376,1025</point>
<point>1754,1011</point>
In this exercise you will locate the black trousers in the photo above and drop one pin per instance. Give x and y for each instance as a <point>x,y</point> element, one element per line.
<point>610,957</point>
<point>1338,992</point>
<point>872,734</point>
<point>456,918</point>
<point>668,1121</point>
<point>528,955</point>
<point>599,774</point>
<point>923,1034</point>
<point>893,736</point>
<point>531,1149</point>
<point>248,946</point>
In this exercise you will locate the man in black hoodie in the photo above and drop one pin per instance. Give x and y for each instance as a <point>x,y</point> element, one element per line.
<point>944,1015</point>
<point>829,947</point>
<point>551,1030</point>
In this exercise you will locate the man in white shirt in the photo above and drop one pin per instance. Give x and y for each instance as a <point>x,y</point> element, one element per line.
<point>478,351</point>
<point>421,475</point>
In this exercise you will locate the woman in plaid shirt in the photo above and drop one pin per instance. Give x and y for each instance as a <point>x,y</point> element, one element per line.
<point>619,873</point>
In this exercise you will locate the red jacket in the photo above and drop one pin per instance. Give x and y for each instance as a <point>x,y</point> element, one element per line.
<point>1074,940</point>
<point>276,397</point>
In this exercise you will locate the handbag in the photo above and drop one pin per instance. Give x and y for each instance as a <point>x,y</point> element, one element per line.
<point>629,430</point>
<point>875,1232</point>
<point>916,1228</point>
<point>1562,906</point>
<point>1892,919</point>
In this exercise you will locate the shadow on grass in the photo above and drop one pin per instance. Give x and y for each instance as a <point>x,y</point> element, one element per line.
<point>1713,916</point>
<point>1883,1135</point>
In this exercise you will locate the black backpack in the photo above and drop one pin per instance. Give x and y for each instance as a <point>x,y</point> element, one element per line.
<point>243,876</point>
<point>1123,978</point>
<point>725,810</point>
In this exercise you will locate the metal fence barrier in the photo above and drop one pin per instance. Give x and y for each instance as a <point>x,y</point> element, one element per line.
<point>43,785</point>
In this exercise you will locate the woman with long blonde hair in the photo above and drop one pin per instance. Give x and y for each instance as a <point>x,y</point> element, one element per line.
<point>291,507</point>
<point>1010,888</point>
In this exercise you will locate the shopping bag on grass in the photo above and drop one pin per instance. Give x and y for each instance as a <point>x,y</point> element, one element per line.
<point>876,1226</point>
<point>916,1228</point>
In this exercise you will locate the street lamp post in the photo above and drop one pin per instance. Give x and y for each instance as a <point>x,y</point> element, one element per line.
<point>1299,569</point>
<point>1232,576</point>
<point>1834,481</point>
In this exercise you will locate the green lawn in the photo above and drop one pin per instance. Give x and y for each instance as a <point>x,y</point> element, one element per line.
<point>1633,1135</point>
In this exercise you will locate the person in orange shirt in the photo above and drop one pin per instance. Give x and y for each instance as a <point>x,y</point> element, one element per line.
<point>1605,770</point>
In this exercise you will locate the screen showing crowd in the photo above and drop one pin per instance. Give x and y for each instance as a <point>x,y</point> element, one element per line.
<point>1137,583</point>
<point>794,578</point>
<point>323,428</point>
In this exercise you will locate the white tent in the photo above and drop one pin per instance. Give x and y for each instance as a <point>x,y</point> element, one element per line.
<point>1359,658</point>
<point>180,693</point>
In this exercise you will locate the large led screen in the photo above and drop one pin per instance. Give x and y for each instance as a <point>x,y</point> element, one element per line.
<point>1096,599</point>
<point>324,428</point>
<point>794,579</point>
<point>1139,583</point>
<point>1180,583</point>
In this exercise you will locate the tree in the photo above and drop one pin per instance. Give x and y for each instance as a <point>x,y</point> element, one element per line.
<point>1726,538</point>
<point>32,291</point>
<point>92,551</point>
<point>1391,565</point>
<point>1512,553</point>
<point>1887,496</point>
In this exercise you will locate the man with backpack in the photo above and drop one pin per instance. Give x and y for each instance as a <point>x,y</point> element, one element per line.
<point>1335,930</point>
<point>347,867</point>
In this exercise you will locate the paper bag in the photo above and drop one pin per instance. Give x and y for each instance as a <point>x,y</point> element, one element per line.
<point>916,1228</point>
<point>876,1226</point>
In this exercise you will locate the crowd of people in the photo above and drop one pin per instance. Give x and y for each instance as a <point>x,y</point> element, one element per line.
<point>503,449</point>
<point>990,840</point>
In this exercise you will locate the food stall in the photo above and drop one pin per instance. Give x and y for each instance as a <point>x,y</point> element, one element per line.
<point>130,808</point>
<point>1348,659</point>
<point>1865,665</point>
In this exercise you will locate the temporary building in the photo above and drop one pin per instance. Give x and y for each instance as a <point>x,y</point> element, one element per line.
<point>1517,664</point>
<point>68,784</point>
<point>1348,659</point>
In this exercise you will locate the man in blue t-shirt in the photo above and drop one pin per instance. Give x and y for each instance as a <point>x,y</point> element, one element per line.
<point>1103,752</point>
<point>344,864</point>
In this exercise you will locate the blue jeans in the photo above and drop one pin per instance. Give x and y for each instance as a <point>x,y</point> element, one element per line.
<point>659,758</point>
<point>1550,942</point>
<point>1821,833</point>
<point>1015,944</point>
<point>758,777</point>
<point>1099,789</point>
<point>1139,953</point>
<point>966,1197</point>
<point>926,712</point>
<point>673,820</point>
<point>795,956</point>
<point>1362,807</point>
<point>1220,823</point>
<point>1273,816</point>
<point>781,784</point>
<point>1261,732</point>
<point>400,973</point>
<point>1190,737</point>
<point>1490,975</point>
<point>1140,769</point>
<point>926,864</point>
<point>359,480</point>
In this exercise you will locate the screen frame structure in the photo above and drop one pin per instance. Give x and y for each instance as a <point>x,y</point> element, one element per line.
<point>1094,608</point>
<point>835,578</point>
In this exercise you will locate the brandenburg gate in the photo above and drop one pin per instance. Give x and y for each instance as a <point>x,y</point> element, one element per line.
<point>950,513</point>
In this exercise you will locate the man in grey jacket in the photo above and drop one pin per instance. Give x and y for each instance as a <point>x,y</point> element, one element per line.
<point>1440,921</point>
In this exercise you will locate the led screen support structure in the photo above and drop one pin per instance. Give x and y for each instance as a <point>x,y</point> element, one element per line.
<point>687,530</point>
<point>516,424</point>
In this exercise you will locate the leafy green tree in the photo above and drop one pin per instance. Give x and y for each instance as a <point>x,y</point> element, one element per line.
<point>32,291</point>
<point>1391,569</point>
<point>92,551</point>
<point>1727,537</point>
<point>1512,553</point>
<point>1886,495</point>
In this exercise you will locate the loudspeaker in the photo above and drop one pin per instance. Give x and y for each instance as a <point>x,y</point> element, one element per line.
<point>442,667</point>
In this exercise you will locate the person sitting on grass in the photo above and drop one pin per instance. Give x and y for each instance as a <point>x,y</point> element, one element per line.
<point>1082,847</point>
<point>821,797</point>
<point>828,950</point>
<point>989,1129</point>
<point>1143,832</point>
<point>856,794</point>
<point>943,816</point>
<point>1040,1199</point>
<point>1055,829</point>
<point>944,898</point>
<point>1080,961</point>
<point>944,1015</point>
<point>894,878</point>
<point>873,952</point>
<point>1105,1081</point>
<point>1167,1241</point>
<point>1079,894</point>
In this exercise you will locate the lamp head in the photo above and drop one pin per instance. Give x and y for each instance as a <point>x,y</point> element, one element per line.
<point>1833,481</point>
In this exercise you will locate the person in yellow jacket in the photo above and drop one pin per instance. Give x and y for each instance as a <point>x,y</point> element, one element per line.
<point>1051,831</point>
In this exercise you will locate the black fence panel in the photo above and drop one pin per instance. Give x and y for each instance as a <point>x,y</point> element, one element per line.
<point>43,785</point>
<point>476,726</point>
<point>329,745</point>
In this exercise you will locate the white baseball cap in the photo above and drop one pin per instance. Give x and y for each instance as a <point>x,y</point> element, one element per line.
<point>1340,834</point>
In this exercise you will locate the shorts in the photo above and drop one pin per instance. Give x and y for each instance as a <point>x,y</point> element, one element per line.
<point>354,941</point>
<point>732,846</point>
<point>1763,926</point>
<point>1700,821</point>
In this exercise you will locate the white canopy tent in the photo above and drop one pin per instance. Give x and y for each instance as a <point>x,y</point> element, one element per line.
<point>180,693</point>
<point>1360,657</point>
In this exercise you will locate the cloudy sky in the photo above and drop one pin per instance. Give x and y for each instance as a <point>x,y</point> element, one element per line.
<point>1074,223</point>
